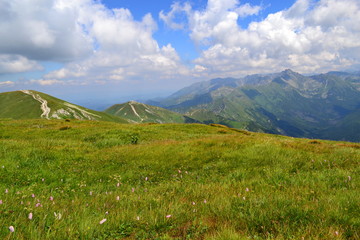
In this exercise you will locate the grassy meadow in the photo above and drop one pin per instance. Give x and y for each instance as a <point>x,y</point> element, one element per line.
<point>102,180</point>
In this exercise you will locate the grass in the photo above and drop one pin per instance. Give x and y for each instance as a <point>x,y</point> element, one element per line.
<point>173,181</point>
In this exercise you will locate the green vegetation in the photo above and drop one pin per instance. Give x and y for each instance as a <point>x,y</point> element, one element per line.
<point>322,106</point>
<point>143,113</point>
<point>173,181</point>
<point>18,105</point>
<point>21,105</point>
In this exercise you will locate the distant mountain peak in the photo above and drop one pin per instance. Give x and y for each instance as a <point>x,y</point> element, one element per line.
<point>133,102</point>
<point>289,72</point>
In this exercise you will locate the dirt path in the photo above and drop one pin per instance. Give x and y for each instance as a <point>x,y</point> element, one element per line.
<point>44,107</point>
<point>133,108</point>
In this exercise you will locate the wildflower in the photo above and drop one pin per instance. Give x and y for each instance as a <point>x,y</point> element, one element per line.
<point>118,184</point>
<point>179,171</point>
<point>138,218</point>
<point>12,229</point>
<point>6,190</point>
<point>146,178</point>
<point>33,195</point>
<point>51,198</point>
<point>102,221</point>
<point>336,233</point>
<point>205,201</point>
<point>349,178</point>
<point>193,203</point>
<point>90,193</point>
<point>133,190</point>
<point>106,213</point>
<point>30,216</point>
<point>168,216</point>
<point>117,198</point>
<point>247,189</point>
<point>1,202</point>
<point>43,179</point>
<point>38,205</point>
<point>57,215</point>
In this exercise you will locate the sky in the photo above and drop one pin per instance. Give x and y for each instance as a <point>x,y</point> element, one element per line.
<point>111,51</point>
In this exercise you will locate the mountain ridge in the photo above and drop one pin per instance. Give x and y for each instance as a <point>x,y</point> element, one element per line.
<point>323,106</point>
<point>138,112</point>
<point>30,104</point>
<point>286,103</point>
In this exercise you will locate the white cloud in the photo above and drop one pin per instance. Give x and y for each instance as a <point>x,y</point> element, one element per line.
<point>46,82</point>
<point>248,10</point>
<point>219,14</point>
<point>40,30</point>
<point>93,42</point>
<point>177,11</point>
<point>310,36</point>
<point>16,63</point>
<point>99,45</point>
<point>6,83</point>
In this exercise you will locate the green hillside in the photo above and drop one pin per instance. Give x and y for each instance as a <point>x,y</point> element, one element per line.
<point>287,103</point>
<point>143,113</point>
<point>32,104</point>
<point>103,180</point>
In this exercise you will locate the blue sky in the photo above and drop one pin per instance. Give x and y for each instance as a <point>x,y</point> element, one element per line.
<point>180,40</point>
<point>110,51</point>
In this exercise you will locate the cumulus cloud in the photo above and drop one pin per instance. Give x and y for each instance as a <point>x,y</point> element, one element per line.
<point>6,83</point>
<point>182,11</point>
<point>46,82</point>
<point>310,36</point>
<point>92,41</point>
<point>16,63</point>
<point>43,30</point>
<point>98,45</point>
<point>217,15</point>
<point>124,49</point>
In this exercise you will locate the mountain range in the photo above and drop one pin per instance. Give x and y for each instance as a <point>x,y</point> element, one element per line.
<point>325,106</point>
<point>288,103</point>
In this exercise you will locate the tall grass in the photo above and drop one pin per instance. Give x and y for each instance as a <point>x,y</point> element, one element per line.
<point>176,181</point>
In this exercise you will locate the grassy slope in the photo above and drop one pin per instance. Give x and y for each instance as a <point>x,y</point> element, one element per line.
<point>291,104</point>
<point>56,103</point>
<point>18,105</point>
<point>146,112</point>
<point>255,185</point>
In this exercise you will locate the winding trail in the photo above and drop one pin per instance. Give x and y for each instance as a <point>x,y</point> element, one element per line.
<point>133,108</point>
<point>44,107</point>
